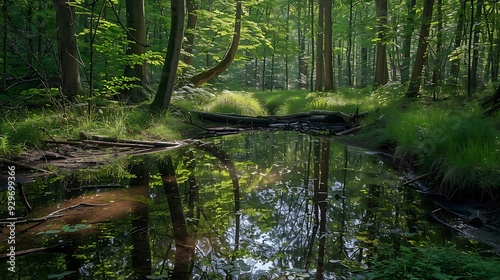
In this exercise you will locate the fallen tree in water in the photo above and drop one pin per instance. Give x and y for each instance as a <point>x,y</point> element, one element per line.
<point>316,121</point>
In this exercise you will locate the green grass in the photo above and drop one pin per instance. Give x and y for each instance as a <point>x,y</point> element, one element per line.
<point>433,262</point>
<point>27,129</point>
<point>236,102</point>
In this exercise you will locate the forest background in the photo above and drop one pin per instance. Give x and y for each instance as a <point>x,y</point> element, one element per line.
<point>430,68</point>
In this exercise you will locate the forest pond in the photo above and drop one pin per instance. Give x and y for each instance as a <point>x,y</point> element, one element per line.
<point>263,205</point>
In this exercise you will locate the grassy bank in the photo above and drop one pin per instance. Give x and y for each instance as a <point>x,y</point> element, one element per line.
<point>27,129</point>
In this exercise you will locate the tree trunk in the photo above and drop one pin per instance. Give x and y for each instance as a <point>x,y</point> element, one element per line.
<point>457,42</point>
<point>408,32</point>
<point>69,72</point>
<point>168,75</point>
<point>228,57</point>
<point>319,48</point>
<point>381,75</point>
<point>364,67</point>
<point>473,77</point>
<point>302,55</point>
<point>349,45</point>
<point>421,55</point>
<point>329,83</point>
<point>136,25</point>
<point>192,9</point>
<point>436,75</point>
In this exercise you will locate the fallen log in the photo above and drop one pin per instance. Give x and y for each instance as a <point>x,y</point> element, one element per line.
<point>312,121</point>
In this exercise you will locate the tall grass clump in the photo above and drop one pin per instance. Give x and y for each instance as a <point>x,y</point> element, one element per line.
<point>468,159</point>
<point>459,150</point>
<point>236,102</point>
<point>273,100</point>
<point>434,262</point>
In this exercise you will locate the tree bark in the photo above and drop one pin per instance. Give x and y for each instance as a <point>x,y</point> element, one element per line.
<point>319,48</point>
<point>206,76</point>
<point>473,77</point>
<point>457,42</point>
<point>329,77</point>
<point>421,55</point>
<point>166,86</point>
<point>408,32</point>
<point>192,9</point>
<point>136,25</point>
<point>381,75</point>
<point>69,72</point>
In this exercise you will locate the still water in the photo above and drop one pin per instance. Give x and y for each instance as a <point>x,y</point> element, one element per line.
<point>250,206</point>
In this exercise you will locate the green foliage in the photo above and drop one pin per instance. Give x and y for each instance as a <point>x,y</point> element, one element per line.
<point>238,103</point>
<point>433,262</point>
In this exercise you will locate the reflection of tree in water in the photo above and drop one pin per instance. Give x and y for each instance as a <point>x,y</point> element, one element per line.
<point>141,250</point>
<point>184,243</point>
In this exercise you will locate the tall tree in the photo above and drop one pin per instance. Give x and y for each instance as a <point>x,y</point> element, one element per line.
<point>381,75</point>
<point>192,9</point>
<point>69,71</point>
<point>421,55</point>
<point>137,46</point>
<point>475,31</point>
<point>169,72</point>
<point>329,83</point>
<point>408,34</point>
<point>457,41</point>
<point>211,73</point>
<point>319,47</point>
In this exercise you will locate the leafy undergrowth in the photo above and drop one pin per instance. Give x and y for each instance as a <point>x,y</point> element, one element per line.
<point>433,262</point>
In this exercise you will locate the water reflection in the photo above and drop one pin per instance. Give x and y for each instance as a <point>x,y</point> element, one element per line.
<point>250,206</point>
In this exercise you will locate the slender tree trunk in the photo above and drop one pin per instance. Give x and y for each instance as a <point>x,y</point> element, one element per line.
<point>319,48</point>
<point>457,42</point>
<point>421,55</point>
<point>302,55</point>
<point>329,76</point>
<point>206,76</point>
<point>473,76</point>
<point>313,46</point>
<point>69,71</point>
<point>287,81</point>
<point>166,86</point>
<point>436,75</point>
<point>192,9</point>
<point>381,75</point>
<point>408,32</point>
<point>364,67</point>
<point>136,24</point>
<point>349,46</point>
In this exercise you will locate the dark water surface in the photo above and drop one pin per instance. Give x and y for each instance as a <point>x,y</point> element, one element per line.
<point>250,206</point>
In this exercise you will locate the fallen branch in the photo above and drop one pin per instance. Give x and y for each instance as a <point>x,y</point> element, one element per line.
<point>23,165</point>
